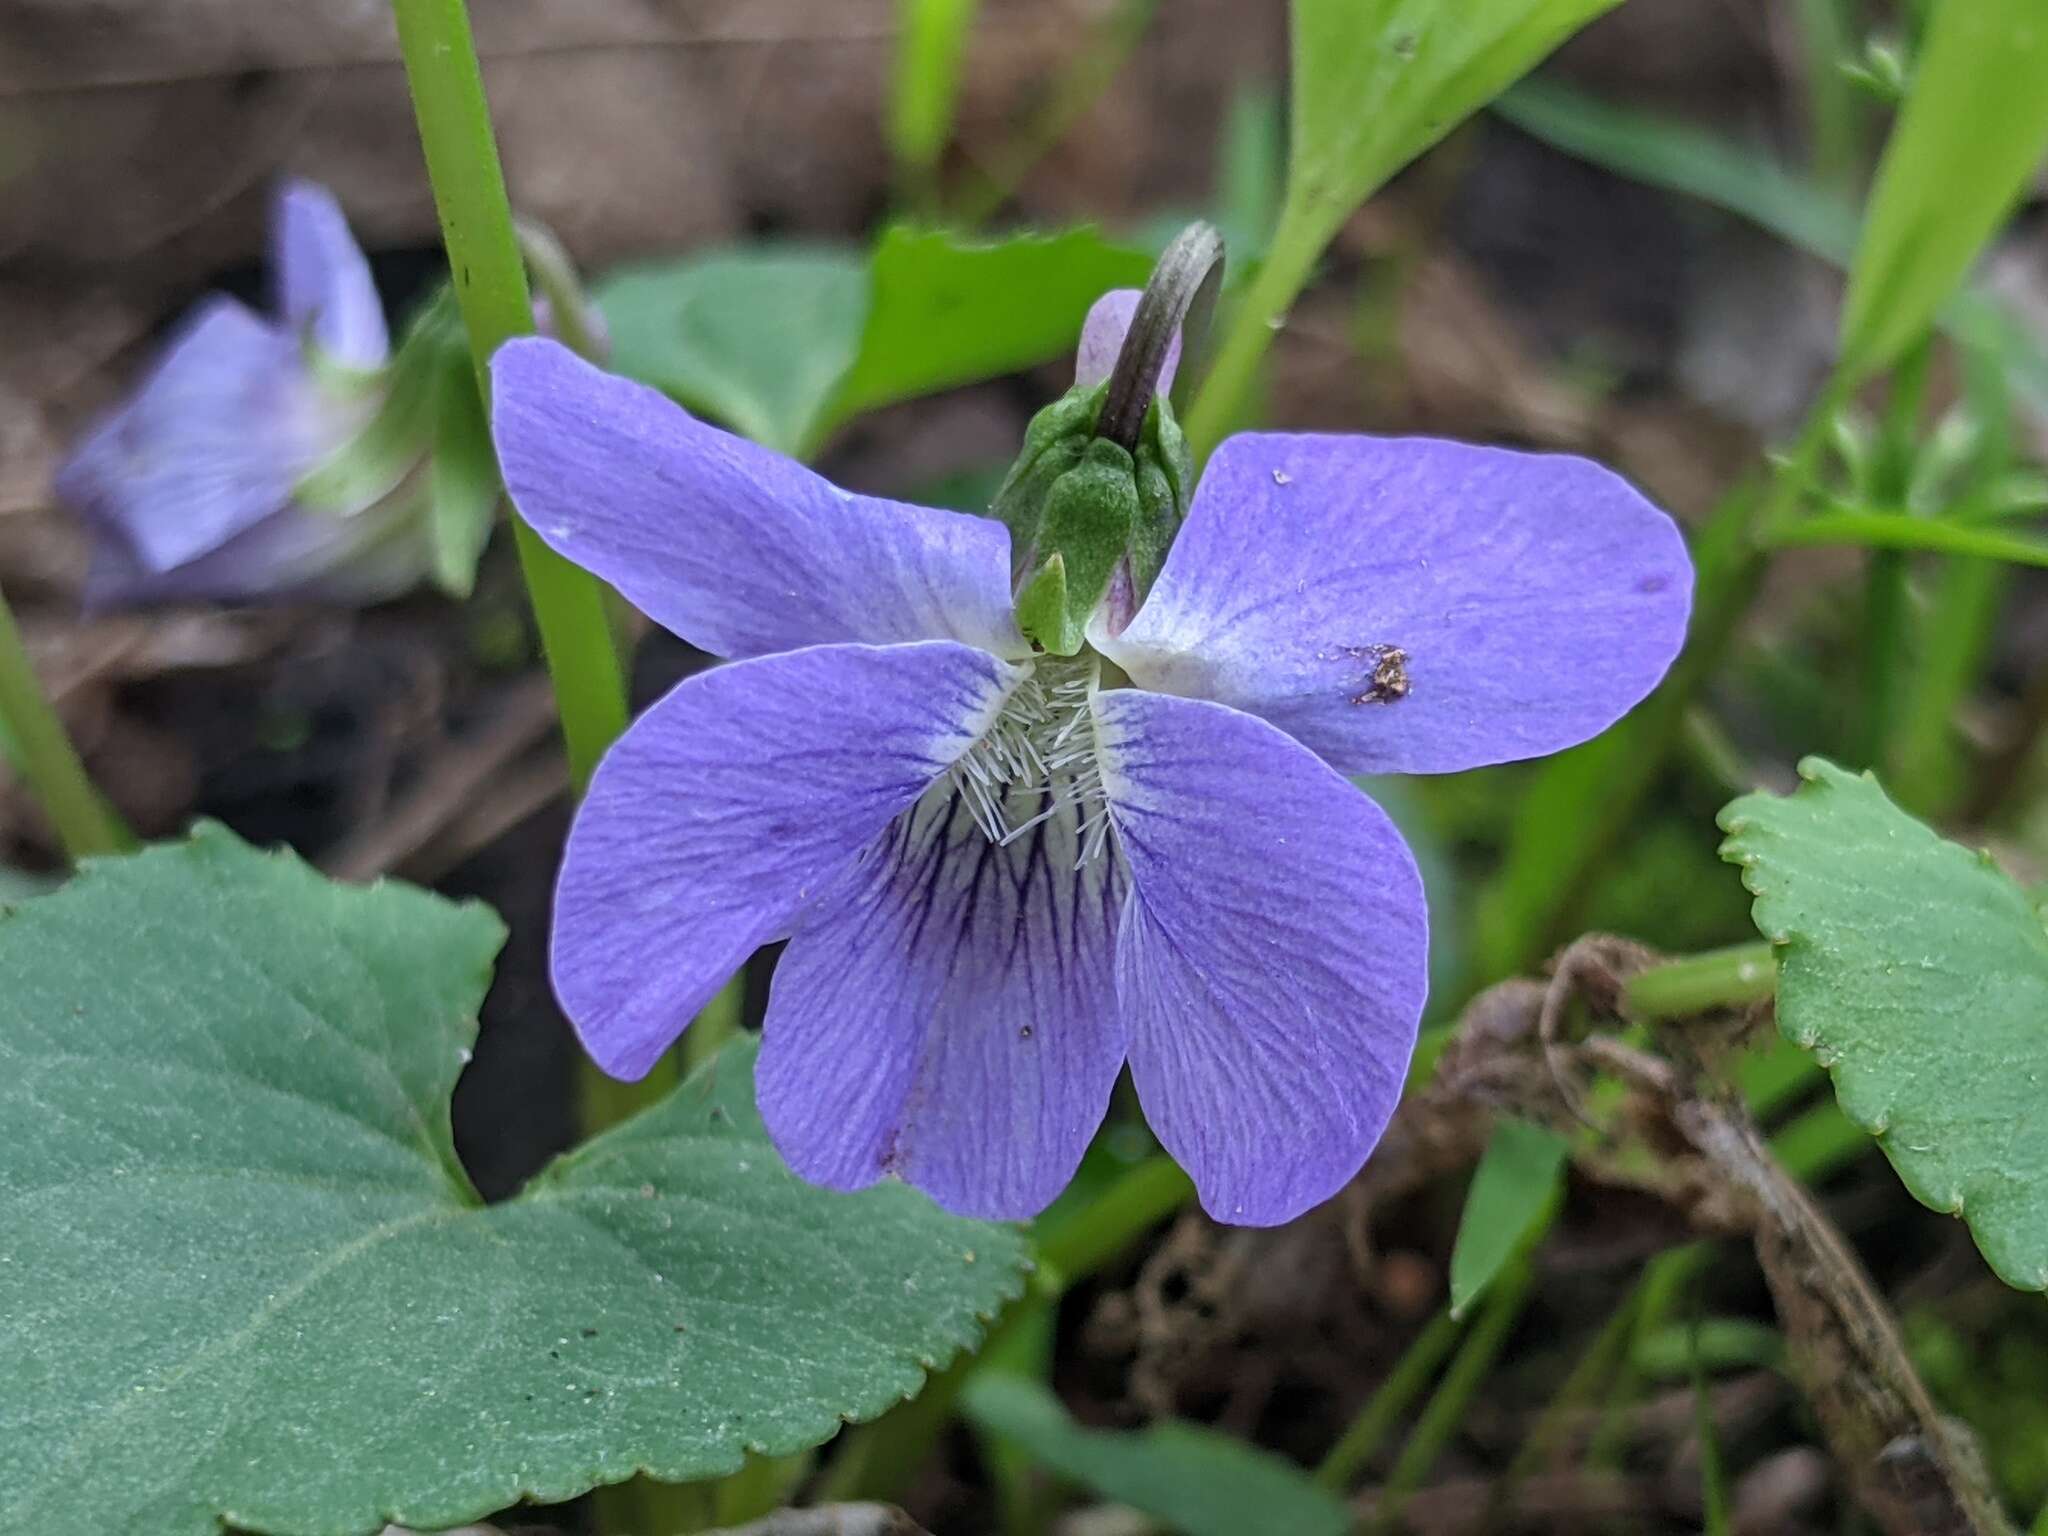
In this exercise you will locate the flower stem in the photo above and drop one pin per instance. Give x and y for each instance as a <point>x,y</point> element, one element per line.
<point>1390,1402</point>
<point>490,286</point>
<point>555,275</point>
<point>85,824</point>
<point>1468,1371</point>
<point>1176,302</point>
<point>1721,978</point>
<point>1136,1203</point>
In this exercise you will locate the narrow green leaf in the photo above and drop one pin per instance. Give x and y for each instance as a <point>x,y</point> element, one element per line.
<point>1899,530</point>
<point>1190,1479</point>
<point>1662,152</point>
<point>928,57</point>
<point>1373,84</point>
<point>1752,185</point>
<point>1376,82</point>
<point>756,338</point>
<point>1511,1196</point>
<point>1917,973</point>
<point>948,311</point>
<point>245,1280</point>
<point>1974,128</point>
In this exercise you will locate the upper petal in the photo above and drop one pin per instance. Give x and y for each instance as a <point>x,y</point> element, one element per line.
<point>1412,605</point>
<point>735,548</point>
<point>323,281</point>
<point>1102,338</point>
<point>215,440</point>
<point>946,1014</point>
<point>729,806</point>
<point>1273,958</point>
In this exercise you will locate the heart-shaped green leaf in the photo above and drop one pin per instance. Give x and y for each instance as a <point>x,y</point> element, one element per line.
<point>757,338</point>
<point>1917,973</point>
<point>784,344</point>
<point>245,1280</point>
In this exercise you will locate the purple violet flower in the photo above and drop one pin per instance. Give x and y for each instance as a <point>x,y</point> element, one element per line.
<point>1003,874</point>
<point>197,487</point>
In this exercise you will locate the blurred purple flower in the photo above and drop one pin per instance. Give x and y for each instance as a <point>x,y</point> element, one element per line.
<point>194,489</point>
<point>1003,875</point>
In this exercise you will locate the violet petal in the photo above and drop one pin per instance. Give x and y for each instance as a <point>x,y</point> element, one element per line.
<point>739,550</point>
<point>946,1014</point>
<point>1412,605</point>
<point>215,440</point>
<point>322,280</point>
<point>1102,338</point>
<point>717,820</point>
<point>1273,958</point>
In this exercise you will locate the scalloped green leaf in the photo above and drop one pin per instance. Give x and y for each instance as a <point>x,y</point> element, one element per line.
<point>1916,972</point>
<point>244,1278</point>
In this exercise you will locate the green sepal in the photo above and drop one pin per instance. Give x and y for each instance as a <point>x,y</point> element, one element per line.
<point>1053,444</point>
<point>1042,608</point>
<point>428,441</point>
<point>463,484</point>
<point>1166,481</point>
<point>399,431</point>
<point>1089,515</point>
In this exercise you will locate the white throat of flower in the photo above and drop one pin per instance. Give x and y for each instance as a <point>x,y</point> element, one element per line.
<point>1039,760</point>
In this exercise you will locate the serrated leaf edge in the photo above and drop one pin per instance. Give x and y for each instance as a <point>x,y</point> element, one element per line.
<point>1823,777</point>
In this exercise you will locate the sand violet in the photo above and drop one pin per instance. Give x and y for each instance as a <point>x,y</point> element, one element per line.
<point>292,455</point>
<point>1004,873</point>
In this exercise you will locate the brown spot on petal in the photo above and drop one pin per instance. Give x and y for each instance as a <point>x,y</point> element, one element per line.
<point>1383,674</point>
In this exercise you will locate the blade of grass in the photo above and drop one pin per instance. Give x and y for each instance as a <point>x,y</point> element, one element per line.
<point>85,824</point>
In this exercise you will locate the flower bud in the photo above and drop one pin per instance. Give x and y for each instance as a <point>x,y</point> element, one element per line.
<point>271,458</point>
<point>1094,500</point>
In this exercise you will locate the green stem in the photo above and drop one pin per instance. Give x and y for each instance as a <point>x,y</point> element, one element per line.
<point>1390,1403</point>
<point>1656,1293</point>
<point>490,285</point>
<point>1468,1372</point>
<point>1129,1208</point>
<point>1721,978</point>
<point>1599,1361</point>
<point>1297,246</point>
<point>85,824</point>
<point>1927,769</point>
<point>555,275</point>
<point>1884,653</point>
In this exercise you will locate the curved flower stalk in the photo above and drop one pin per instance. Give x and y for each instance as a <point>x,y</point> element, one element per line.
<point>290,455</point>
<point>1004,874</point>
